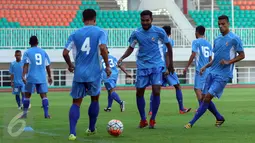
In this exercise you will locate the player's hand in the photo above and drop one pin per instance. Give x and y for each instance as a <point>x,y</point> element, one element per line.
<point>185,70</point>
<point>12,84</point>
<point>166,73</point>
<point>24,80</point>
<point>108,71</point>
<point>202,70</point>
<point>71,68</point>
<point>171,69</point>
<point>50,80</point>
<point>119,63</point>
<point>224,62</point>
<point>129,76</point>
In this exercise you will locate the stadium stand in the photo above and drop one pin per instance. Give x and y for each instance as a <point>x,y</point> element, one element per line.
<point>244,13</point>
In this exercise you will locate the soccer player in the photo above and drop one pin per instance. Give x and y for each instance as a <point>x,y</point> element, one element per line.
<point>35,61</point>
<point>202,53</point>
<point>16,69</point>
<point>226,47</point>
<point>110,83</point>
<point>87,43</point>
<point>150,63</point>
<point>172,79</point>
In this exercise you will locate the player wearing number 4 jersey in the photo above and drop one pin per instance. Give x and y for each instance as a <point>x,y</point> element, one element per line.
<point>86,43</point>
<point>202,53</point>
<point>35,60</point>
<point>110,83</point>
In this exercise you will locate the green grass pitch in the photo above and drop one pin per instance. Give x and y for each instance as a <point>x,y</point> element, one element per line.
<point>237,106</point>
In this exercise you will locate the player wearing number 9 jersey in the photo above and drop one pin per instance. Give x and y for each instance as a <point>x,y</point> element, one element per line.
<point>35,61</point>
<point>202,53</point>
<point>86,44</point>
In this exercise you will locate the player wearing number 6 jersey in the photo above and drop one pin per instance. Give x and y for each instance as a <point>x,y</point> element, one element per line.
<point>86,43</point>
<point>202,53</point>
<point>110,83</point>
<point>35,60</point>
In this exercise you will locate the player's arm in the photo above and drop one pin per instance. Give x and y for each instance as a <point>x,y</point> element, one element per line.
<point>25,70</point>
<point>68,47</point>
<point>104,52</point>
<point>47,63</point>
<point>169,54</point>
<point>11,75</point>
<point>124,70</point>
<point>192,56</point>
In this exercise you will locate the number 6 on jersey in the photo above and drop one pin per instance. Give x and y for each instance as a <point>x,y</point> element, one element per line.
<point>86,46</point>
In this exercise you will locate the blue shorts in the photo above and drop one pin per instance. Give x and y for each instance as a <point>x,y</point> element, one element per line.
<point>40,88</point>
<point>17,89</point>
<point>199,80</point>
<point>110,84</point>
<point>171,79</point>
<point>215,85</point>
<point>147,77</point>
<point>81,89</point>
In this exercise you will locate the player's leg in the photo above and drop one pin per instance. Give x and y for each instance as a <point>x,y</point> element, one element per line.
<point>151,98</point>
<point>78,91</point>
<point>156,81</point>
<point>179,97</point>
<point>29,88</point>
<point>42,89</point>
<point>93,89</point>
<point>213,88</point>
<point>142,81</point>
<point>110,100</point>
<point>22,94</point>
<point>16,91</point>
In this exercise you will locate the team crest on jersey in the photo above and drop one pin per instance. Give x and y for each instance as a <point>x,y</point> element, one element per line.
<point>226,43</point>
<point>153,39</point>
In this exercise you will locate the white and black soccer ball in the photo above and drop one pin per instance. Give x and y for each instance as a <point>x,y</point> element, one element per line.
<point>115,127</point>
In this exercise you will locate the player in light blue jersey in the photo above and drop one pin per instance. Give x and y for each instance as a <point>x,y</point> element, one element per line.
<point>202,53</point>
<point>36,60</point>
<point>86,44</point>
<point>172,78</point>
<point>18,87</point>
<point>226,47</point>
<point>150,63</point>
<point>110,83</point>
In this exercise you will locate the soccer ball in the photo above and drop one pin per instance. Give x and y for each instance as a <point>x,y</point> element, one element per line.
<point>115,127</point>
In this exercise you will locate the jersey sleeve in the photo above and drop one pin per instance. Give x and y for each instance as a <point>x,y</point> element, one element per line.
<point>70,43</point>
<point>194,47</point>
<point>25,58</point>
<point>10,69</point>
<point>103,38</point>
<point>47,59</point>
<point>238,44</point>
<point>163,36</point>
<point>132,39</point>
<point>172,43</point>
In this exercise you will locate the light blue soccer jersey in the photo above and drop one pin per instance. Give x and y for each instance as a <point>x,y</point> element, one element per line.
<point>203,50</point>
<point>86,52</point>
<point>149,54</point>
<point>37,59</point>
<point>16,68</point>
<point>225,47</point>
<point>113,65</point>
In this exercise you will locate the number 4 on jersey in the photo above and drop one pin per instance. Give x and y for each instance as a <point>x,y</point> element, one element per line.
<point>86,46</point>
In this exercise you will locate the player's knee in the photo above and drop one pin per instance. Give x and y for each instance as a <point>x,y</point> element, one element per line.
<point>207,98</point>
<point>111,90</point>
<point>177,87</point>
<point>43,95</point>
<point>77,101</point>
<point>140,91</point>
<point>94,98</point>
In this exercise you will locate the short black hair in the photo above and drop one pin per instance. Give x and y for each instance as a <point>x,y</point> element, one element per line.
<point>223,17</point>
<point>33,40</point>
<point>200,29</point>
<point>146,12</point>
<point>89,14</point>
<point>17,51</point>
<point>167,29</point>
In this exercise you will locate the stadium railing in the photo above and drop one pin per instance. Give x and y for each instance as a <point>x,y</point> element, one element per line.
<point>63,78</point>
<point>51,38</point>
